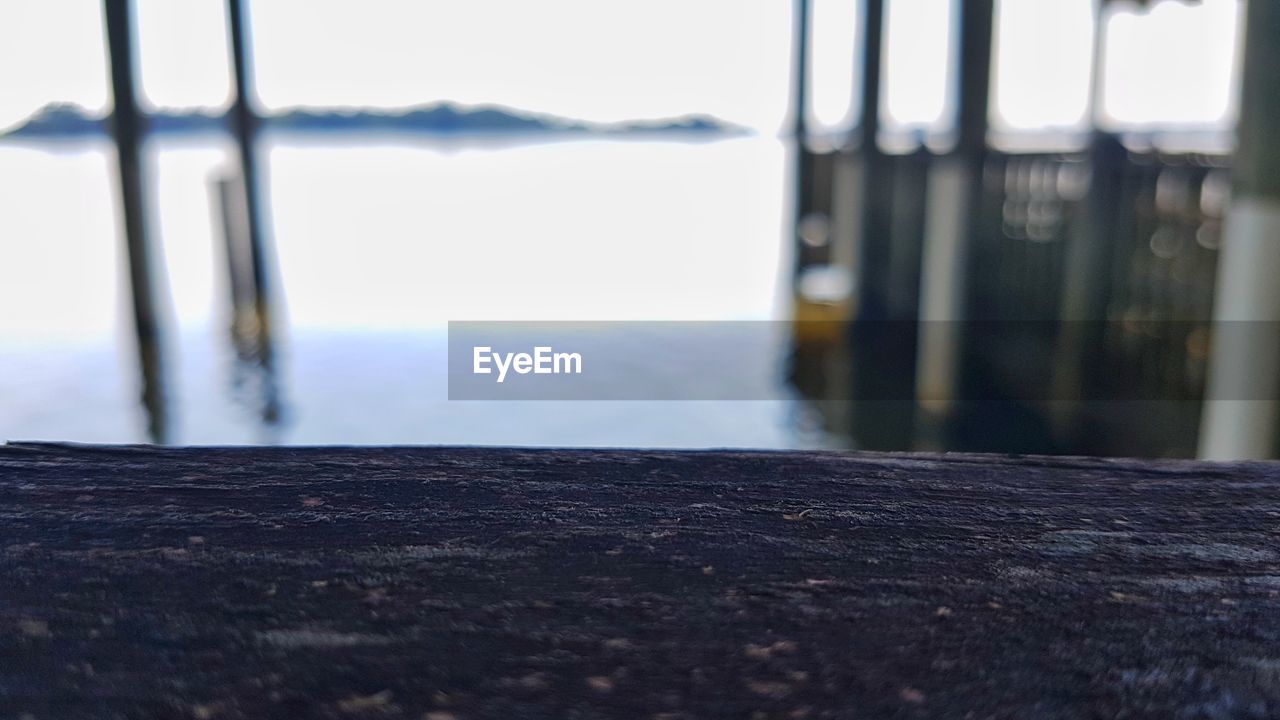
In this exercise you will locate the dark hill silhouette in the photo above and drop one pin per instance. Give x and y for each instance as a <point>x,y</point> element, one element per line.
<point>61,120</point>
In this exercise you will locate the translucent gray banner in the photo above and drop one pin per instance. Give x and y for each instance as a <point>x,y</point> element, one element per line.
<point>874,361</point>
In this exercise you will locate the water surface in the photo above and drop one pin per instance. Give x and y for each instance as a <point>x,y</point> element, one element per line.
<point>379,241</point>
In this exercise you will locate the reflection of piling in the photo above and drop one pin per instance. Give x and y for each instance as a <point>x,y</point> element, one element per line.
<point>126,128</point>
<point>1246,349</point>
<point>249,335</point>
<point>236,247</point>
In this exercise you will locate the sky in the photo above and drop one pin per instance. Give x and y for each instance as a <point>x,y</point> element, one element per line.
<point>628,60</point>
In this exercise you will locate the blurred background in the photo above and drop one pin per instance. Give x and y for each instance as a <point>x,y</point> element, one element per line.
<point>248,221</point>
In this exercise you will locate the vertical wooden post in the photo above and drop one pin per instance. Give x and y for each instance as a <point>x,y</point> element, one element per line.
<point>1241,413</point>
<point>976,28</point>
<point>955,191</point>
<point>1087,287</point>
<point>882,342</point>
<point>126,128</point>
<point>873,240</point>
<point>1090,256</point>
<point>245,126</point>
<point>872,54</point>
<point>800,71</point>
<point>852,204</point>
<point>800,127</point>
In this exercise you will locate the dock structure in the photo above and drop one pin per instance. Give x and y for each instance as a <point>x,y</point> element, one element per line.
<point>240,201</point>
<point>1106,295</point>
<point>496,583</point>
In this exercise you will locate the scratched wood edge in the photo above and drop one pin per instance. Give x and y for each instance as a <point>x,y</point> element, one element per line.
<point>1181,465</point>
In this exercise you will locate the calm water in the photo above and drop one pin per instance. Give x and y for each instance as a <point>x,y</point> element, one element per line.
<point>379,242</point>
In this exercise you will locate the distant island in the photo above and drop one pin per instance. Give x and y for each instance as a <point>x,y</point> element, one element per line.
<point>445,119</point>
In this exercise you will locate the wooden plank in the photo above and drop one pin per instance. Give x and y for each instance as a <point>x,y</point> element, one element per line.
<point>497,583</point>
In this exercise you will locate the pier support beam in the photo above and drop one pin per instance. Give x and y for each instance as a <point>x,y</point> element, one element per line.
<point>955,188</point>
<point>882,340</point>
<point>873,239</point>
<point>800,129</point>
<point>245,125</point>
<point>1241,416</point>
<point>126,129</point>
<point>852,197</point>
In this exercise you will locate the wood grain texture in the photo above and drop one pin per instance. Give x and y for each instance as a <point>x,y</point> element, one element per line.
<point>499,583</point>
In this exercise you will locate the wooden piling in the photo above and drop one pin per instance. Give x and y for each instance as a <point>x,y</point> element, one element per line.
<point>1241,416</point>
<point>127,128</point>
<point>955,187</point>
<point>246,125</point>
<point>800,127</point>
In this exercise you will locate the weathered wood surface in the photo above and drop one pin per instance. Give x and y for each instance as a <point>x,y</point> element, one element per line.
<point>492,583</point>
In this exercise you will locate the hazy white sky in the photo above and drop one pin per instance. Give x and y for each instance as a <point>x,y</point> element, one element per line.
<point>580,58</point>
<point>1188,81</point>
<point>834,87</point>
<point>609,61</point>
<point>1027,91</point>
<point>51,50</point>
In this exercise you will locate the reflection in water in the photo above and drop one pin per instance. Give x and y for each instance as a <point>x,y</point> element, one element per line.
<point>379,242</point>
<point>67,368</point>
<point>251,311</point>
